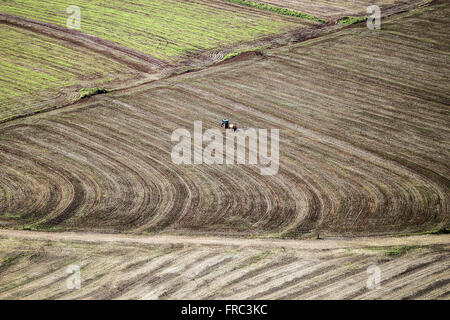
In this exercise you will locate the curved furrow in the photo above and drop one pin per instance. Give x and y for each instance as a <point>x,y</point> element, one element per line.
<point>131,195</point>
<point>376,176</point>
<point>59,158</point>
<point>59,183</point>
<point>242,185</point>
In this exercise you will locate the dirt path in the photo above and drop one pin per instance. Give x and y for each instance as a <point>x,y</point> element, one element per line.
<point>324,244</point>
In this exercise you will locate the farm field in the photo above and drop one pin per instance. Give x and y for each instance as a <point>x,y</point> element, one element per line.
<point>125,267</point>
<point>88,178</point>
<point>364,144</point>
<point>164,29</point>
<point>38,72</point>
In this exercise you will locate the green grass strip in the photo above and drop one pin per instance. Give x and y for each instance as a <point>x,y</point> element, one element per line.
<point>89,92</point>
<point>237,53</point>
<point>401,250</point>
<point>351,20</point>
<point>283,11</point>
<point>395,250</point>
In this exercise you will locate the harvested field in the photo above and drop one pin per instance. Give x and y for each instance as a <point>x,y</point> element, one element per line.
<point>164,29</point>
<point>40,72</point>
<point>34,266</point>
<point>364,144</point>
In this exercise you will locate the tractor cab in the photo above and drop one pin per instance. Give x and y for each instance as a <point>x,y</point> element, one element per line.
<point>225,123</point>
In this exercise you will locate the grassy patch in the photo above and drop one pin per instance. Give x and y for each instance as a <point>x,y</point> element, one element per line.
<point>89,92</point>
<point>302,231</point>
<point>394,251</point>
<point>291,234</point>
<point>256,258</point>
<point>9,261</point>
<point>440,231</point>
<point>238,223</point>
<point>42,228</point>
<point>351,20</point>
<point>400,250</point>
<point>238,53</point>
<point>232,55</point>
<point>426,2</point>
<point>12,215</point>
<point>443,230</point>
<point>283,11</point>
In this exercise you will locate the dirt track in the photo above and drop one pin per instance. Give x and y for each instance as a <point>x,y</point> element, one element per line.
<point>322,244</point>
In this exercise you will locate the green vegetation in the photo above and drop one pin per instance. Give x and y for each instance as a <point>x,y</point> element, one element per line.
<point>12,215</point>
<point>283,11</point>
<point>43,228</point>
<point>237,53</point>
<point>5,263</point>
<point>426,2</point>
<point>443,230</point>
<point>440,231</point>
<point>34,67</point>
<point>256,258</point>
<point>351,20</point>
<point>165,29</point>
<point>238,223</point>
<point>232,55</point>
<point>88,92</point>
<point>401,250</point>
<point>395,251</point>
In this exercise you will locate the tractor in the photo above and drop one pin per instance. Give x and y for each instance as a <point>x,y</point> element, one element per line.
<point>227,125</point>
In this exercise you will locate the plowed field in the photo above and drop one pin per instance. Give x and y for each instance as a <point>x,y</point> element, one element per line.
<point>364,144</point>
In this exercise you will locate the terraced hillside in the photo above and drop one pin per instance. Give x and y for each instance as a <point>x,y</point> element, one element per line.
<point>164,29</point>
<point>364,143</point>
<point>38,72</point>
<point>121,267</point>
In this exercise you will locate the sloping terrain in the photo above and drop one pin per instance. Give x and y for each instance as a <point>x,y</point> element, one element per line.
<point>364,144</point>
<point>34,266</point>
